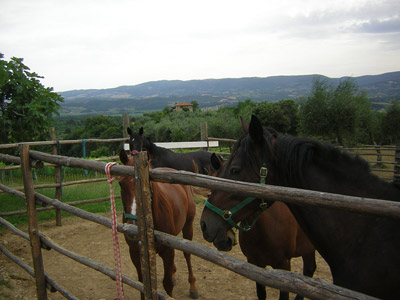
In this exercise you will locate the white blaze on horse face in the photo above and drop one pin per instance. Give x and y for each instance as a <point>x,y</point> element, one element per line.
<point>133,206</point>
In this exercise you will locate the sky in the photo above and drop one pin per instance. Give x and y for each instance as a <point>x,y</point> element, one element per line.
<point>98,44</point>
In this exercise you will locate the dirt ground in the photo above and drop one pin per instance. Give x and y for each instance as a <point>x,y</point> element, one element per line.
<point>95,241</point>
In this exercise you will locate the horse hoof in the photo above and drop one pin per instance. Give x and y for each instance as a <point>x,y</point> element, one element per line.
<point>194,294</point>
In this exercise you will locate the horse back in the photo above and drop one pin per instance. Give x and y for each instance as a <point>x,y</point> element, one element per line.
<point>197,161</point>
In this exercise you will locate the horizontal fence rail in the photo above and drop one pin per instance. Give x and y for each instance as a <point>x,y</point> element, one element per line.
<point>64,142</point>
<point>268,192</point>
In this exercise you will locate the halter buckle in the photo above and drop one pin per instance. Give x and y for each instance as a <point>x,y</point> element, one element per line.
<point>263,205</point>
<point>226,215</point>
<point>263,172</point>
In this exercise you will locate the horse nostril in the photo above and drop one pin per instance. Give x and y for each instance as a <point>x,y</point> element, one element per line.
<point>203,226</point>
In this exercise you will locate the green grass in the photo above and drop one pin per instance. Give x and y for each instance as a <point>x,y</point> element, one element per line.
<point>69,194</point>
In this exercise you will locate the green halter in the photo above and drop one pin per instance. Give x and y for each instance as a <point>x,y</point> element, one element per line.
<point>227,214</point>
<point>130,216</point>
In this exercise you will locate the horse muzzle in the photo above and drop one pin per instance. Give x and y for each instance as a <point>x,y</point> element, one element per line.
<point>223,238</point>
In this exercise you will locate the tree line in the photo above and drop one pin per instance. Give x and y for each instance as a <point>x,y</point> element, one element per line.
<point>340,114</point>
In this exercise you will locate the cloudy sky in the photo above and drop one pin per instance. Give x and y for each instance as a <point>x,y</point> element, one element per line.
<point>89,44</point>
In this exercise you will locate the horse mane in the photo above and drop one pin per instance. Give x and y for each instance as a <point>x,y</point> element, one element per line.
<point>295,154</point>
<point>153,148</point>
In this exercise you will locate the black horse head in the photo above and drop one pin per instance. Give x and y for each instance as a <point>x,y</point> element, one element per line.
<point>251,156</point>
<point>137,142</point>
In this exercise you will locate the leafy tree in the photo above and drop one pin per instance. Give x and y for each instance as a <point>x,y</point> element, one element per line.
<point>338,112</point>
<point>100,127</point>
<point>224,123</point>
<point>245,109</point>
<point>391,122</point>
<point>281,115</point>
<point>27,107</point>
<point>195,105</point>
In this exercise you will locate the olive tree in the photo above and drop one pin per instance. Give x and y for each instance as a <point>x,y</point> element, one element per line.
<point>340,112</point>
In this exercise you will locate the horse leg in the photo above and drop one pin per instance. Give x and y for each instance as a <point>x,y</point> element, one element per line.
<point>135,257</point>
<point>309,266</point>
<point>261,292</point>
<point>255,260</point>
<point>283,265</point>
<point>168,255</point>
<point>187,233</point>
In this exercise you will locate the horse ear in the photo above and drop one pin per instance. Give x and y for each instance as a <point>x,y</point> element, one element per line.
<point>123,157</point>
<point>256,130</point>
<point>245,126</point>
<point>129,130</point>
<point>141,131</point>
<point>216,162</point>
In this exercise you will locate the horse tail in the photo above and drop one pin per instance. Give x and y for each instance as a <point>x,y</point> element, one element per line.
<point>195,167</point>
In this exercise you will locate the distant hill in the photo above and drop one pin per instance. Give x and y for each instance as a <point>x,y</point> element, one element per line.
<point>212,93</point>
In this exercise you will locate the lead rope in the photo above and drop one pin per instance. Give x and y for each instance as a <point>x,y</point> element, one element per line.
<point>117,253</point>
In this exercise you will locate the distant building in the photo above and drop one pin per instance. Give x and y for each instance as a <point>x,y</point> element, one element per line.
<point>180,106</point>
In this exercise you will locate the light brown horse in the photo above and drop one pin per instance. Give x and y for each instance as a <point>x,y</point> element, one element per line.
<point>173,211</point>
<point>274,240</point>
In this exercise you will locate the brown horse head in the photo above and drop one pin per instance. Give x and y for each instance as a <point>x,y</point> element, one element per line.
<point>128,190</point>
<point>240,167</point>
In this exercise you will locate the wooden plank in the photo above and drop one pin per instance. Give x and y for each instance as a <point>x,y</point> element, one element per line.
<point>284,194</point>
<point>64,142</point>
<point>33,223</point>
<point>68,183</point>
<point>125,125</point>
<point>146,226</point>
<point>57,175</point>
<point>40,209</point>
<point>188,145</point>
<point>184,145</point>
<point>269,192</point>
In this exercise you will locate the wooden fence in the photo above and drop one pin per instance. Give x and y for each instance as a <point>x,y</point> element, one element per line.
<point>274,278</point>
<point>283,280</point>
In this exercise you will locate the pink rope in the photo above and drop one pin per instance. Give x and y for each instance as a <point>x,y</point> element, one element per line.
<point>117,253</point>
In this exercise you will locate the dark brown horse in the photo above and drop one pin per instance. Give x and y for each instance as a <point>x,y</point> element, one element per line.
<point>275,238</point>
<point>173,211</point>
<point>196,161</point>
<point>361,250</point>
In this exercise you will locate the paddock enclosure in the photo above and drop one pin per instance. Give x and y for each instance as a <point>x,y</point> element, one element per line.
<point>294,283</point>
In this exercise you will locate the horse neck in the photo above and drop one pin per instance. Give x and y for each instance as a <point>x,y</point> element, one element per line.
<point>333,232</point>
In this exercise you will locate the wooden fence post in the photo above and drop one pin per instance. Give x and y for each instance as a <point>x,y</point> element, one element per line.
<point>204,133</point>
<point>396,173</point>
<point>33,223</point>
<point>146,226</point>
<point>57,173</point>
<point>378,155</point>
<point>125,125</point>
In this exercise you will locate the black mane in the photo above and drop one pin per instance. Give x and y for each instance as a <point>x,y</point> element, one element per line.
<point>294,155</point>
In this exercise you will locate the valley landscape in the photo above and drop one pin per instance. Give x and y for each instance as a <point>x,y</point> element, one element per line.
<point>214,93</point>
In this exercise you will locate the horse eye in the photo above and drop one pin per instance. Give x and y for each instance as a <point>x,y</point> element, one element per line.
<point>235,171</point>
